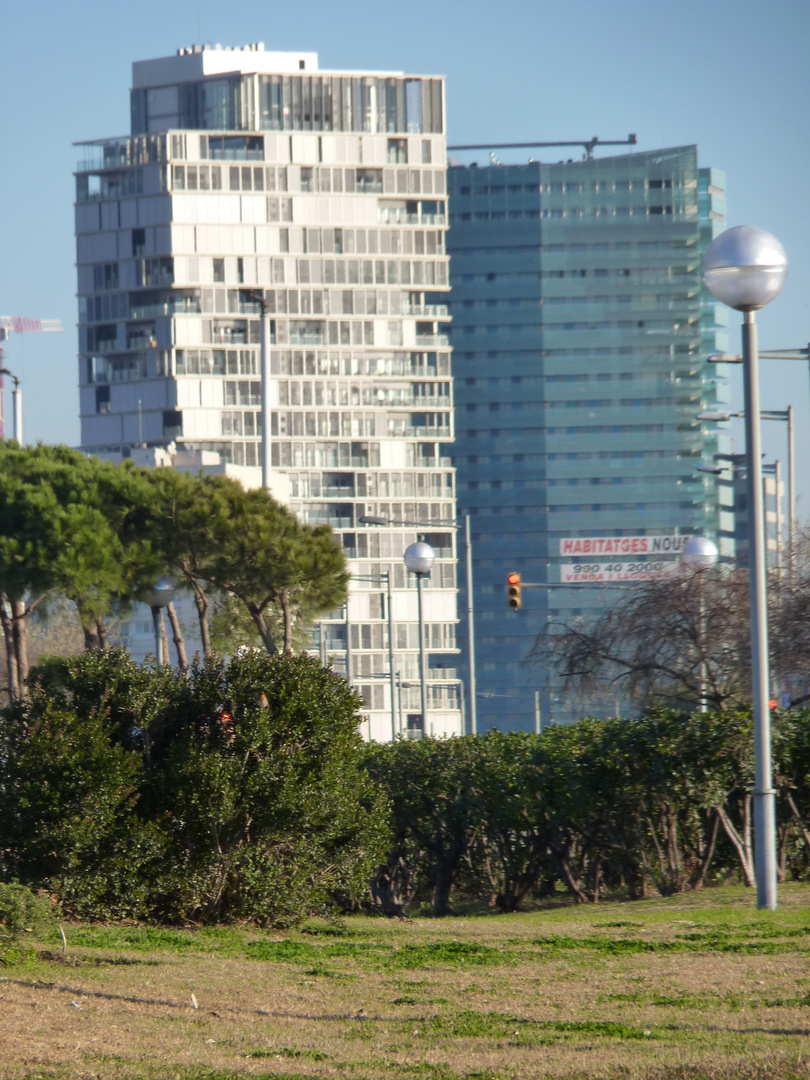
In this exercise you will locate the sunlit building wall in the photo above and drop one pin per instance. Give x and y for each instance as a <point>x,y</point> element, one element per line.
<point>249,177</point>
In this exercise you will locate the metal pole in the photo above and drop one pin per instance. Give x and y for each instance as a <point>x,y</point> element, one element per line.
<point>387,575</point>
<point>322,643</point>
<point>703,704</point>
<point>399,700</point>
<point>16,404</point>
<point>422,656</point>
<point>538,721</point>
<point>470,625</point>
<point>348,644</point>
<point>777,483</point>
<point>158,635</point>
<point>791,496</point>
<point>265,397</point>
<point>764,810</point>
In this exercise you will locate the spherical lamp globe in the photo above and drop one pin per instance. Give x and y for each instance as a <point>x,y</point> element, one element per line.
<point>745,267</point>
<point>160,595</point>
<point>419,557</point>
<point>699,553</point>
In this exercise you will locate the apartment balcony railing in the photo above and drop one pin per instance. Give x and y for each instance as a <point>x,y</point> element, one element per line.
<point>427,311</point>
<point>177,307</point>
<point>394,215</point>
<point>419,432</point>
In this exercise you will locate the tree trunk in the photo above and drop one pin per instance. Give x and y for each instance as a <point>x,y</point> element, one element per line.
<point>442,887</point>
<point>11,659</point>
<point>179,643</point>
<point>389,887</point>
<point>89,627</point>
<point>572,883</point>
<point>264,630</point>
<point>798,818</point>
<point>164,640</point>
<point>201,603</point>
<point>103,636</point>
<point>595,874</point>
<point>20,639</point>
<point>742,843</point>
<point>287,617</point>
<point>782,836</point>
<point>708,855</point>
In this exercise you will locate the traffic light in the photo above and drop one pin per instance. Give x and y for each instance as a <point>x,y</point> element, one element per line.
<point>513,588</point>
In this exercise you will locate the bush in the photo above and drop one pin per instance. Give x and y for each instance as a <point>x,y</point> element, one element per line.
<point>260,788</point>
<point>131,792</point>
<point>21,912</point>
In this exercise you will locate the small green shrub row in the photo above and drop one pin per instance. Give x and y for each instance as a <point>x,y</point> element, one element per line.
<point>601,806</point>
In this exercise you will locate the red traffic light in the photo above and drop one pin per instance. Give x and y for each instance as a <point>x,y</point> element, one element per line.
<point>513,590</point>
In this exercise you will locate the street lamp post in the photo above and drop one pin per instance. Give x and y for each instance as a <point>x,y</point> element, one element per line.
<point>746,267</point>
<point>785,416</point>
<point>16,404</point>
<point>264,353</point>
<point>372,519</point>
<point>258,297</point>
<point>700,554</point>
<point>419,559</point>
<point>158,597</point>
<point>384,577</point>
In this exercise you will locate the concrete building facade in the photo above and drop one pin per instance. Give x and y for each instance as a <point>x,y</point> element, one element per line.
<point>249,177</point>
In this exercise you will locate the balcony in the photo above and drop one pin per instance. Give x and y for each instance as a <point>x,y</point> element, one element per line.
<point>395,215</point>
<point>121,153</point>
<point>180,306</point>
<point>420,431</point>
<point>432,341</point>
<point>427,311</point>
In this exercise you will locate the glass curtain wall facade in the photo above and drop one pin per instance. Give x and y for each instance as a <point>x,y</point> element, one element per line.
<point>324,196</point>
<point>579,333</point>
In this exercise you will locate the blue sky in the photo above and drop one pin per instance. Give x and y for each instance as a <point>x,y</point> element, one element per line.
<point>733,77</point>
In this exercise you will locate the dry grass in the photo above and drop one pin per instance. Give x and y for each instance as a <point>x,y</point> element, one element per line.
<point>693,987</point>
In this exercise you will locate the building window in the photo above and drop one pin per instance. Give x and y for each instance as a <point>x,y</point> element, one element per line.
<point>172,423</point>
<point>398,151</point>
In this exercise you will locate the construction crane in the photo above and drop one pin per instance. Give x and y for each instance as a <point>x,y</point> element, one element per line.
<point>588,144</point>
<point>15,324</point>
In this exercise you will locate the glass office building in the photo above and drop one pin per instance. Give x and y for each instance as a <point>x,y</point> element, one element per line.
<point>580,330</point>
<point>253,177</point>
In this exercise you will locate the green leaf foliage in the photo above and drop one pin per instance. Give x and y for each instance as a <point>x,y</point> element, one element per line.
<point>268,810</point>
<point>600,807</point>
<point>127,790</point>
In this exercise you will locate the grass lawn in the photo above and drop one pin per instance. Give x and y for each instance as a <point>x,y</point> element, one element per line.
<point>690,987</point>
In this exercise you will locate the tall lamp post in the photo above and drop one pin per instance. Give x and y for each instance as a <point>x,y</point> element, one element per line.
<point>419,559</point>
<point>158,597</point>
<point>16,406</point>
<point>700,554</point>
<point>258,297</point>
<point>785,416</point>
<point>373,519</point>
<point>746,267</point>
